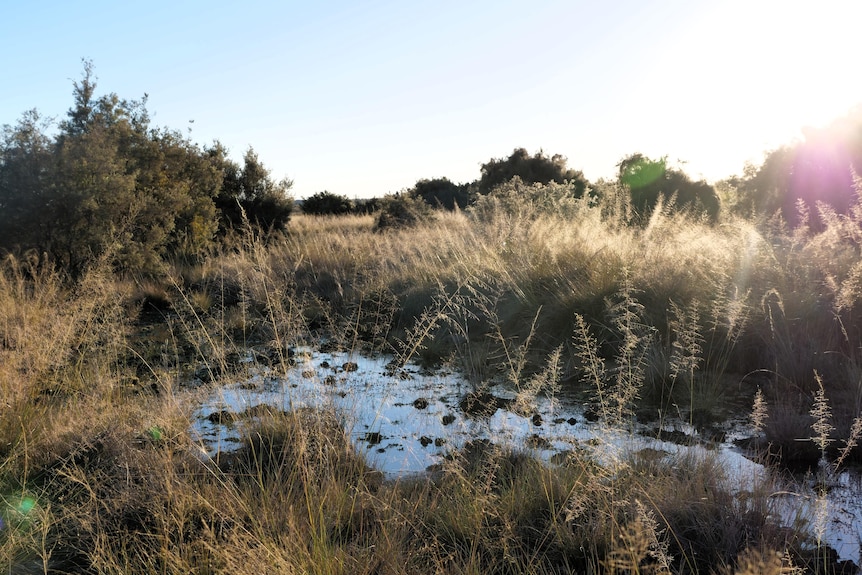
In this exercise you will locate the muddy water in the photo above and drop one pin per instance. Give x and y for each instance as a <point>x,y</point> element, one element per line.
<point>407,420</point>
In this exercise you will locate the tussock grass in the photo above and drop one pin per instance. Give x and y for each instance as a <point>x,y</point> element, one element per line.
<point>100,474</point>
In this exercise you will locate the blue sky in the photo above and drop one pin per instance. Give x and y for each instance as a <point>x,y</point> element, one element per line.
<point>365,98</point>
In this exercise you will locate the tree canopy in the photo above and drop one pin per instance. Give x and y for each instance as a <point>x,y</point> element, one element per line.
<point>537,169</point>
<point>249,194</point>
<point>441,192</point>
<point>327,203</point>
<point>110,185</point>
<point>649,180</point>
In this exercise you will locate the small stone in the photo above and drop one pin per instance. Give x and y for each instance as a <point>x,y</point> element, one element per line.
<point>482,403</point>
<point>373,437</point>
<point>425,441</point>
<point>448,418</point>
<point>221,417</point>
<point>538,442</point>
<point>420,403</point>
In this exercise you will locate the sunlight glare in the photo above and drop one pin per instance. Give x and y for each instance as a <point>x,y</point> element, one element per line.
<point>751,76</point>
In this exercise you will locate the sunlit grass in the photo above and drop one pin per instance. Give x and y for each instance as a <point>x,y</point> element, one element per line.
<point>101,473</point>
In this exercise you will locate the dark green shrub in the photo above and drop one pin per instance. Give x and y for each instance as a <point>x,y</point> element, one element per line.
<point>108,186</point>
<point>249,195</point>
<point>326,203</point>
<point>441,192</point>
<point>537,169</point>
<point>366,206</point>
<point>649,180</point>
<point>819,170</point>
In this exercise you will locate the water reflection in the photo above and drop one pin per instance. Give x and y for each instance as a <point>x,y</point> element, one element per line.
<point>407,420</point>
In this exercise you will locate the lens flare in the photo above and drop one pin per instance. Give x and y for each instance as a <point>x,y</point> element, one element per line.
<point>821,171</point>
<point>26,505</point>
<point>155,433</point>
<point>16,511</point>
<point>639,172</point>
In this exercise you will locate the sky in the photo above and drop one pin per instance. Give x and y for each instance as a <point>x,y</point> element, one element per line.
<point>365,98</point>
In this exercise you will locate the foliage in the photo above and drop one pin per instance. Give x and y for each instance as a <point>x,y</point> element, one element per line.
<point>650,181</point>
<point>249,194</point>
<point>110,186</point>
<point>401,211</point>
<point>537,169</point>
<point>519,199</point>
<point>327,203</point>
<point>366,205</point>
<point>25,154</point>
<point>441,192</point>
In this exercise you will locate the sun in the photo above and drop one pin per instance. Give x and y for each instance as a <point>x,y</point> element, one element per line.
<point>745,77</point>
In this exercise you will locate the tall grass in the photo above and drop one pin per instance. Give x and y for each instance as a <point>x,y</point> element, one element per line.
<point>98,382</point>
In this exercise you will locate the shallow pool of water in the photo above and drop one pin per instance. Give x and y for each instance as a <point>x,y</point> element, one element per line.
<point>407,420</point>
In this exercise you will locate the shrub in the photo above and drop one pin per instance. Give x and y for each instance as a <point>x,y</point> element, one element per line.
<point>524,200</point>
<point>820,169</point>
<point>440,192</point>
<point>651,180</point>
<point>327,203</point>
<point>537,169</point>
<point>401,211</point>
<point>249,194</point>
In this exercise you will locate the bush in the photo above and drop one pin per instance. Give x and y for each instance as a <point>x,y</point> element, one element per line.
<point>517,198</point>
<point>401,211</point>
<point>110,187</point>
<point>326,203</point>
<point>538,169</point>
<point>366,206</point>
<point>441,192</point>
<point>249,195</point>
<point>820,170</point>
<point>648,181</point>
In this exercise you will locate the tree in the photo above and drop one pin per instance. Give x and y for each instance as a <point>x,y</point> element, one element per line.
<point>108,186</point>
<point>26,157</point>
<point>440,192</point>
<point>366,205</point>
<point>249,194</point>
<point>649,180</point>
<point>538,169</point>
<point>327,203</point>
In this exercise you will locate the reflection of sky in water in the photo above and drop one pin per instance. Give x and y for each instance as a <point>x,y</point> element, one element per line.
<point>372,401</point>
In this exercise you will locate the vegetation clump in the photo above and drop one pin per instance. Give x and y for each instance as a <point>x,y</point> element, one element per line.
<point>401,211</point>
<point>653,184</point>
<point>109,185</point>
<point>326,203</point>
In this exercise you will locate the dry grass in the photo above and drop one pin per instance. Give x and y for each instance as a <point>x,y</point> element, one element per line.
<point>100,473</point>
